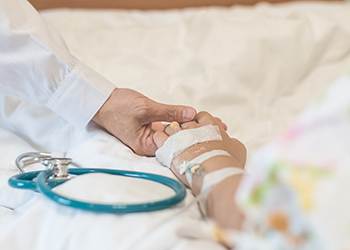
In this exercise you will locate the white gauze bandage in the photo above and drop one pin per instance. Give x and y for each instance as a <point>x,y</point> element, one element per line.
<point>214,178</point>
<point>184,139</point>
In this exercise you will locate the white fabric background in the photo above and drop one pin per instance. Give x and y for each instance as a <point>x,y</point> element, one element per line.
<point>254,67</point>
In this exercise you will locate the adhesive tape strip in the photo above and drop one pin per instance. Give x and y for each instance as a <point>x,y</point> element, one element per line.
<point>213,178</point>
<point>203,157</point>
<point>185,139</point>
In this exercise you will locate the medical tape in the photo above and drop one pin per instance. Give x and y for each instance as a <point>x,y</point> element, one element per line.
<point>201,158</point>
<point>184,139</point>
<point>213,178</point>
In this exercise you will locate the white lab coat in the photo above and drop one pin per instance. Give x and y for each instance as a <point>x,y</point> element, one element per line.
<point>36,66</point>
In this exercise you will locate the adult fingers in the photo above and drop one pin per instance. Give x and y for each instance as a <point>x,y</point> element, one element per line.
<point>142,143</point>
<point>158,126</point>
<point>159,138</point>
<point>190,125</point>
<point>169,113</point>
<point>172,128</point>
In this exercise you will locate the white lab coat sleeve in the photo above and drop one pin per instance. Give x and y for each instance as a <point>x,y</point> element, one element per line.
<point>36,66</point>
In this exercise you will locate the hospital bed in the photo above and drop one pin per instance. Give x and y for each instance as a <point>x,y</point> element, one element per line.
<point>256,67</point>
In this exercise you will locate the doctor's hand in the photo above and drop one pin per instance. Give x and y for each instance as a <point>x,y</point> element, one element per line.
<point>129,116</point>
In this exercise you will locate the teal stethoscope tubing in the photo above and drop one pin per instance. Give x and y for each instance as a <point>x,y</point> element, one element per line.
<point>44,185</point>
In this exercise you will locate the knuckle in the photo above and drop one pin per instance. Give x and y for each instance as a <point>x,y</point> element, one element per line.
<point>142,108</point>
<point>204,117</point>
<point>192,126</point>
<point>172,114</point>
<point>204,114</point>
<point>189,125</point>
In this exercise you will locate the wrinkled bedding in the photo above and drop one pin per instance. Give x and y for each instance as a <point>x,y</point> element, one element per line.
<point>254,67</point>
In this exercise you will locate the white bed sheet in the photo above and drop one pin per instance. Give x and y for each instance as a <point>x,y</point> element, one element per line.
<point>255,67</point>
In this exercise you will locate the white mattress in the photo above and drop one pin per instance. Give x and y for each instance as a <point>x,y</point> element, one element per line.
<point>254,67</point>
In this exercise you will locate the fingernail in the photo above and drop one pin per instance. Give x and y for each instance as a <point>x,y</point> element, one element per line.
<point>188,114</point>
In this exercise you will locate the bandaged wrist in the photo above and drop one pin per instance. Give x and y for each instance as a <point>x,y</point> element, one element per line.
<point>203,157</point>
<point>184,167</point>
<point>213,178</point>
<point>185,139</point>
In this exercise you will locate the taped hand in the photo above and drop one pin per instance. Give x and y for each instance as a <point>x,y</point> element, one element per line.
<point>234,147</point>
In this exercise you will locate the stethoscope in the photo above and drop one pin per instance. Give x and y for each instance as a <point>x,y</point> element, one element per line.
<point>58,171</point>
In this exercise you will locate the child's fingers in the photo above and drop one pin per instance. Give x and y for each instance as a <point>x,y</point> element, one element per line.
<point>217,119</point>
<point>159,138</point>
<point>172,128</point>
<point>221,123</point>
<point>158,126</point>
<point>203,117</point>
<point>189,125</point>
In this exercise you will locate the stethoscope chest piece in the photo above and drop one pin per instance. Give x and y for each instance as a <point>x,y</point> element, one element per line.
<point>58,166</point>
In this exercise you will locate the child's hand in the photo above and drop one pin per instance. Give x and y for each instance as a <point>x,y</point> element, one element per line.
<point>234,147</point>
